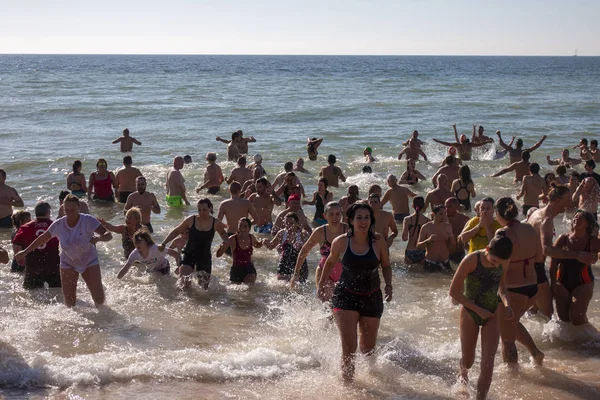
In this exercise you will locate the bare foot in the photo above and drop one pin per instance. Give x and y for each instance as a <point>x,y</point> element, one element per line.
<point>538,359</point>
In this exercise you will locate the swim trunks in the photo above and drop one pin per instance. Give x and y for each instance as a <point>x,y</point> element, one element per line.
<point>266,228</point>
<point>110,198</point>
<point>197,252</point>
<point>572,273</point>
<point>123,196</point>
<point>400,217</point>
<point>367,305</point>
<point>78,193</point>
<point>529,290</point>
<point>174,201</point>
<point>213,190</point>
<point>437,266</point>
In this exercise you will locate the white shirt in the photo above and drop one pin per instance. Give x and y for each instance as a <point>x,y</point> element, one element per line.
<point>77,251</point>
<point>155,261</point>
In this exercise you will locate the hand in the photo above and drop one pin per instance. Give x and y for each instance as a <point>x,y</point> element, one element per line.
<point>434,238</point>
<point>498,133</point>
<point>95,240</point>
<point>519,196</point>
<point>485,314</point>
<point>161,247</point>
<point>587,258</point>
<point>218,138</point>
<point>20,256</point>
<point>198,191</point>
<point>508,313</point>
<point>389,291</point>
<point>454,125</point>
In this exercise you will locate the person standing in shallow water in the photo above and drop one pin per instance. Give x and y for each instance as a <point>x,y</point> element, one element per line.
<point>9,198</point>
<point>102,182</point>
<point>126,141</point>
<point>478,282</point>
<point>332,173</point>
<point>357,300</point>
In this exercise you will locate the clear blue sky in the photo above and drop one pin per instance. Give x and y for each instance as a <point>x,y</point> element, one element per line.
<point>435,27</point>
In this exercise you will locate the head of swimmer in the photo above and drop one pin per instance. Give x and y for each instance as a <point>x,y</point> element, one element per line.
<point>439,214</point>
<point>452,206</point>
<point>140,184</point>
<point>178,162</point>
<point>499,250</point>
<point>333,213</point>
<point>361,218</point>
<point>133,217</point>
<point>292,221</point>
<point>101,164</point>
<point>205,207</point>
<point>71,207</point>
<point>584,224</point>
<point>375,202</point>
<point>142,239</point>
<point>244,225</point>
<point>262,184</point>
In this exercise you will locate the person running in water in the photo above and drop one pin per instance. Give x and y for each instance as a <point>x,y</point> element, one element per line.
<point>242,245</point>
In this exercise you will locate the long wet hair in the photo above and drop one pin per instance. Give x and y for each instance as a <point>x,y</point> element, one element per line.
<point>76,164</point>
<point>350,218</point>
<point>418,205</point>
<point>507,209</point>
<point>465,175</point>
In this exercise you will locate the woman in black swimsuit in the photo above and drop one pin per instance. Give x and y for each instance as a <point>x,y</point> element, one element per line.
<point>411,176</point>
<point>572,280</point>
<point>357,300</point>
<point>521,280</point>
<point>463,187</point>
<point>197,255</point>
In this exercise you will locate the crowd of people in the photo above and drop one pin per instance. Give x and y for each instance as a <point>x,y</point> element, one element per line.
<point>498,262</point>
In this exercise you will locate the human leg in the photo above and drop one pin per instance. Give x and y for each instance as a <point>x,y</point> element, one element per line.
<point>93,280</point>
<point>69,278</point>
<point>489,345</point>
<point>346,321</point>
<point>581,298</point>
<point>469,332</point>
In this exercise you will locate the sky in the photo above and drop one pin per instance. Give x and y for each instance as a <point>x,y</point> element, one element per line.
<point>329,27</point>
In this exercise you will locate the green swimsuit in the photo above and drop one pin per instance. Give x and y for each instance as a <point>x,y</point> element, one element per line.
<point>481,287</point>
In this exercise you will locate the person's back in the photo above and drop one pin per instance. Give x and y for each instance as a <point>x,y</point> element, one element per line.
<point>126,141</point>
<point>125,178</point>
<point>332,173</point>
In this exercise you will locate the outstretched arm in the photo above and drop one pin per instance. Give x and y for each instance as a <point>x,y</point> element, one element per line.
<point>455,133</point>
<point>446,143</point>
<point>551,162</point>
<point>117,140</point>
<point>503,171</point>
<point>134,140</point>
<point>502,144</point>
<point>538,144</point>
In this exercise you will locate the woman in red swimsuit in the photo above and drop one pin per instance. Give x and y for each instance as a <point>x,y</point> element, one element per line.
<point>242,244</point>
<point>102,182</point>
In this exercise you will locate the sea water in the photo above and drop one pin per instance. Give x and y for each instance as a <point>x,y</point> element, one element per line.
<point>264,342</point>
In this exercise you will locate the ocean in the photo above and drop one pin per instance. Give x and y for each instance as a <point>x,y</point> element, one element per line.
<point>266,341</point>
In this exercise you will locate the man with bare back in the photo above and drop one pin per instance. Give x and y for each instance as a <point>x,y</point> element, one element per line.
<point>126,141</point>
<point>398,196</point>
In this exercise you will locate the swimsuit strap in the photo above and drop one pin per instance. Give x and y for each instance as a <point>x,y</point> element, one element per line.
<point>525,264</point>
<point>325,233</point>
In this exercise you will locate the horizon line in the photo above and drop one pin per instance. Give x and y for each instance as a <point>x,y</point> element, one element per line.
<point>293,55</point>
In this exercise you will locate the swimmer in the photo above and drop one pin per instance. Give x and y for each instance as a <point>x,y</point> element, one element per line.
<point>101,183</point>
<point>125,179</point>
<point>412,151</point>
<point>437,239</point>
<point>367,169</point>
<point>233,146</point>
<point>147,253</point>
<point>542,221</point>
<point>9,198</point>
<point>290,240</point>
<point>242,244</point>
<point>83,206</point>
<point>175,184</point>
<point>457,221</point>
<point>213,175</point>
<point>464,188</point>
<point>357,300</point>
<point>478,283</point>
<point>564,160</point>
<point>440,194</point>
<point>323,235</point>
<point>349,199</point>
<point>587,196</point>
<point>561,175</point>
<point>145,201</point>
<point>242,142</point>
<point>289,186</point>
<point>293,205</point>
<point>367,152</point>
<point>589,167</point>
<point>521,168</point>
<point>257,164</point>
<point>312,144</point>
<point>332,173</point>
<point>76,180</point>
<point>462,144</point>
<point>450,170</point>
<point>515,153</point>
<point>452,152</point>
<point>126,141</point>
<point>133,223</point>
<point>235,208</point>
<point>415,137</point>
<point>197,257</point>
<point>480,230</point>
<point>300,166</point>
<point>478,136</point>
<point>241,173</point>
<point>187,159</point>
<point>573,280</point>
<point>521,281</point>
<point>584,151</point>
<point>594,150</point>
<point>411,176</point>
<point>321,197</point>
<point>263,201</point>
<point>384,221</point>
<point>398,196</point>
<point>533,189</point>
<point>76,234</point>
<point>411,228</point>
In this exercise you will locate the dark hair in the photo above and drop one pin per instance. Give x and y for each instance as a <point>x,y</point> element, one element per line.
<point>187,159</point>
<point>594,143</point>
<point>246,220</point>
<point>332,204</point>
<point>76,164</point>
<point>352,188</point>
<point>126,130</point>
<point>418,204</point>
<point>575,174</point>
<point>367,169</point>
<point>212,157</point>
<point>507,209</point>
<point>584,141</point>
<point>501,247</point>
<point>263,180</point>
<point>519,143</point>
<point>144,234</point>
<point>288,166</point>
<point>374,196</point>
<point>525,156</point>
<point>465,174</point>
<point>290,174</point>
<point>437,208</point>
<point>591,221</point>
<point>591,164</point>
<point>242,160</point>
<point>324,180</point>
<point>488,199</point>
<point>557,191</point>
<point>561,170</point>
<point>374,187</point>
<point>449,160</point>
<point>534,168</point>
<point>293,215</point>
<point>63,194</point>
<point>331,159</point>
<point>127,160</point>
<point>206,200</point>
<point>41,209</point>
<point>3,173</point>
<point>351,212</point>
<point>19,216</point>
<point>235,187</point>
<point>101,160</point>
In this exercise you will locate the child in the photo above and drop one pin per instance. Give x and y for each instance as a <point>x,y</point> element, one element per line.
<point>290,239</point>
<point>147,253</point>
<point>242,244</point>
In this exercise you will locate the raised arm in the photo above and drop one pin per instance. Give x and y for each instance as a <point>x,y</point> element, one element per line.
<point>503,171</point>
<point>502,144</point>
<point>223,140</point>
<point>551,162</point>
<point>446,143</point>
<point>537,145</point>
<point>455,133</point>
